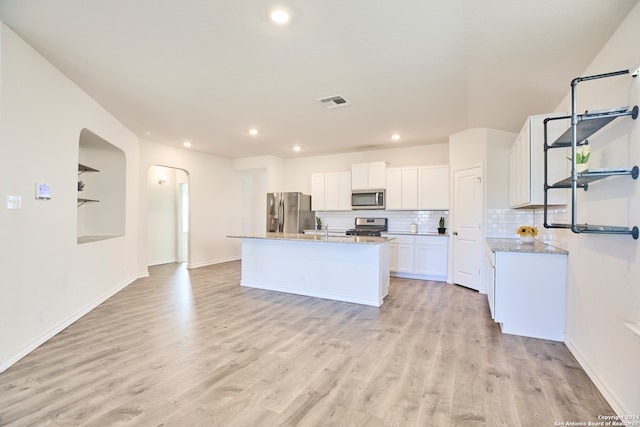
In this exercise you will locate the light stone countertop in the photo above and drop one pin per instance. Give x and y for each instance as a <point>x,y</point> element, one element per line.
<point>394,233</point>
<point>320,238</point>
<point>514,245</point>
<point>407,233</point>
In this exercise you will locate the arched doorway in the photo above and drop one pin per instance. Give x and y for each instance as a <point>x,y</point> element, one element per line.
<point>167,215</point>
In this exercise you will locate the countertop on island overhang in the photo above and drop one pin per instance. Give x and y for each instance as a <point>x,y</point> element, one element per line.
<point>515,245</point>
<point>320,238</point>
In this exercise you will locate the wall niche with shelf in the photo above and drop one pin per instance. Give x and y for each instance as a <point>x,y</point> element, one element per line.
<point>101,189</point>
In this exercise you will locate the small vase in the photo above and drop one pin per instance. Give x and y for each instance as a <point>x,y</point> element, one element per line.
<point>582,167</point>
<point>527,239</point>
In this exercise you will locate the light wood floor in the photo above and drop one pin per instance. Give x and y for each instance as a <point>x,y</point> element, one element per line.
<point>193,348</point>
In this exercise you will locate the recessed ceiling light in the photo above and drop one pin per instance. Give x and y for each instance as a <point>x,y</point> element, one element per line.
<point>395,137</point>
<point>187,143</point>
<point>279,16</point>
<point>253,132</point>
<point>296,148</point>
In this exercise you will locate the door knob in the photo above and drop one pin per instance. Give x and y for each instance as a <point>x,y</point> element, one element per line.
<point>455,233</point>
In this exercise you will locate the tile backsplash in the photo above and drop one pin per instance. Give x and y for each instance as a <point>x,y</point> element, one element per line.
<point>503,223</point>
<point>500,223</point>
<point>399,221</point>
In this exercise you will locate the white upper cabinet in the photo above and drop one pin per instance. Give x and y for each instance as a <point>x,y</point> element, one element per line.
<point>338,191</point>
<point>402,188</point>
<point>433,187</point>
<point>394,189</point>
<point>410,188</point>
<point>526,163</point>
<point>331,191</point>
<point>368,176</point>
<point>317,192</point>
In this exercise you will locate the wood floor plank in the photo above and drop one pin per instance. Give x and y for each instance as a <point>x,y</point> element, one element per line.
<point>193,347</point>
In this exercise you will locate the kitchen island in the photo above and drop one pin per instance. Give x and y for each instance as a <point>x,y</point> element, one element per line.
<point>344,268</point>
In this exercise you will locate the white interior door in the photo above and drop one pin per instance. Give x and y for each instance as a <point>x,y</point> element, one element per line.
<point>467,227</point>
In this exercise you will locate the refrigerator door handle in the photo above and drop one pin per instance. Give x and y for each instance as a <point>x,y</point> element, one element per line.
<point>281,216</point>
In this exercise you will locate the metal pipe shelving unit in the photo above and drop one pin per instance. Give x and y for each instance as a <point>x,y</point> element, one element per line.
<point>582,127</point>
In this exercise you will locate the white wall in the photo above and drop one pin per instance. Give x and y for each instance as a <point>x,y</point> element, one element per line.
<point>215,203</point>
<point>272,166</point>
<point>497,170</point>
<point>603,283</point>
<point>48,280</point>
<point>489,147</point>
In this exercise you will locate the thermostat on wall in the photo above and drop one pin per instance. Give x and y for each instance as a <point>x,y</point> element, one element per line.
<point>43,191</point>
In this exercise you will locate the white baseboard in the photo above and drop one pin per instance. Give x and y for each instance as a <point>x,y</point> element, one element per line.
<point>160,262</point>
<point>432,277</point>
<point>15,357</point>
<point>216,261</point>
<point>606,391</point>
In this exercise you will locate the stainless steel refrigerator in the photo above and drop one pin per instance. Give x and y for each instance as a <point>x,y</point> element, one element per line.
<point>289,213</point>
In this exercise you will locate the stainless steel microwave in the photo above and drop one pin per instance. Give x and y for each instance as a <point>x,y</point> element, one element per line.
<point>367,199</point>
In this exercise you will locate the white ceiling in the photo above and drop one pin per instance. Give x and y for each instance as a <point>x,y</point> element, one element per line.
<point>208,70</point>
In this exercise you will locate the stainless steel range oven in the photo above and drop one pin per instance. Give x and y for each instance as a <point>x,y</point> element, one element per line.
<point>369,227</point>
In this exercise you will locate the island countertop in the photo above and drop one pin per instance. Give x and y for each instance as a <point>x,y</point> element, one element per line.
<point>320,237</point>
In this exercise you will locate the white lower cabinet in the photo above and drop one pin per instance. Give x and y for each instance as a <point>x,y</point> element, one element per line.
<point>419,257</point>
<point>431,256</point>
<point>405,254</point>
<point>527,293</point>
<point>393,256</point>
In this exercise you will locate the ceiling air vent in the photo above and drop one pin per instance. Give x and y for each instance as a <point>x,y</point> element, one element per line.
<point>334,101</point>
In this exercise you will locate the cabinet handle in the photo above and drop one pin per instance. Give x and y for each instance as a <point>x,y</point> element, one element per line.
<point>455,233</point>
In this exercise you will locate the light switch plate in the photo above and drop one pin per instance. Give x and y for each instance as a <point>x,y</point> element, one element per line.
<point>14,202</point>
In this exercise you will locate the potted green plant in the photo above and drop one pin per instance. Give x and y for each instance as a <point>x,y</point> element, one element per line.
<point>582,158</point>
<point>318,223</point>
<point>441,227</point>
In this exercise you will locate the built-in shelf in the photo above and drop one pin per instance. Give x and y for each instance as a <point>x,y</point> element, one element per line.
<point>83,201</point>
<point>582,127</point>
<point>83,168</point>
<point>634,327</point>
<point>101,210</point>
<point>89,239</point>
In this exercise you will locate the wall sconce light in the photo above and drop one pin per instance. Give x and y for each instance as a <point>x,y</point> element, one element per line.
<point>162,180</point>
